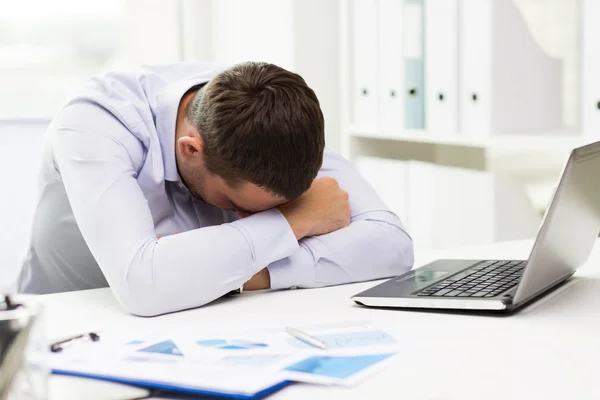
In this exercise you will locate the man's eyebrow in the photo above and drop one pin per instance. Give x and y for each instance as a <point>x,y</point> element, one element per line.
<point>238,208</point>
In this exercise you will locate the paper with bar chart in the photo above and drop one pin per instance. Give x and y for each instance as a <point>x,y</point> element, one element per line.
<point>353,349</point>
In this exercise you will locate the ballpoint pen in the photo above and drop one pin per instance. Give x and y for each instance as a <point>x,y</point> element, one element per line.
<point>306,338</point>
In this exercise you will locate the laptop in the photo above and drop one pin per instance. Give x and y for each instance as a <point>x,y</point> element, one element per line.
<point>565,239</point>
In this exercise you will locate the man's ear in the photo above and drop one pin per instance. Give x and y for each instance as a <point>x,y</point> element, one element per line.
<point>190,147</point>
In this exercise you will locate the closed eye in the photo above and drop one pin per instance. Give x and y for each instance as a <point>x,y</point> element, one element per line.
<point>241,210</point>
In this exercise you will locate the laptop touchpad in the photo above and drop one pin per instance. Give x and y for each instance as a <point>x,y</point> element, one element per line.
<point>422,276</point>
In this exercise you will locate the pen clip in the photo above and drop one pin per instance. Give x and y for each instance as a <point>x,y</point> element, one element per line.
<point>9,305</point>
<point>56,347</point>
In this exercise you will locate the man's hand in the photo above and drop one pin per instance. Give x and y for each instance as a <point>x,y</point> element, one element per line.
<point>260,280</point>
<point>322,209</point>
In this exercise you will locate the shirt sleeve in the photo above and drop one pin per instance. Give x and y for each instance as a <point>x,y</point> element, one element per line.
<point>375,244</point>
<point>98,159</point>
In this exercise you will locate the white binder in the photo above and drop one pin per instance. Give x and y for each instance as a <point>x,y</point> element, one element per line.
<point>391,66</point>
<point>591,68</point>
<point>441,65</point>
<point>508,83</point>
<point>475,66</point>
<point>363,26</point>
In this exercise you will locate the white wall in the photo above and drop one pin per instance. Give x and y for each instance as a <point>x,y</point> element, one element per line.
<point>150,34</point>
<point>317,42</point>
<point>257,30</point>
<point>555,26</point>
<point>20,149</point>
<point>299,35</point>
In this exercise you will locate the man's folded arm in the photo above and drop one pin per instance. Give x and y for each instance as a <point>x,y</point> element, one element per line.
<point>98,159</point>
<point>374,245</point>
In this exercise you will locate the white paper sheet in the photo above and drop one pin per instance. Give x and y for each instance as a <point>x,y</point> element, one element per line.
<point>235,362</point>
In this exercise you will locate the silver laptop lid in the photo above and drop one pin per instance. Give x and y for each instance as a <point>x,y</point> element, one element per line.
<point>570,226</point>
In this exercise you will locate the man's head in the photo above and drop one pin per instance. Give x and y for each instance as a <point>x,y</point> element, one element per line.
<point>251,139</point>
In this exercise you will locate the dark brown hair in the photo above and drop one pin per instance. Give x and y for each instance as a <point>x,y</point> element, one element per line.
<point>261,124</point>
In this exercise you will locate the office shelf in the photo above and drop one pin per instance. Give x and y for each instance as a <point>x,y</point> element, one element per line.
<point>550,142</point>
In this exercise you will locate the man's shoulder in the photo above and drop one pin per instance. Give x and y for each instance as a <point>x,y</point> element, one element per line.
<point>146,79</point>
<point>131,94</point>
<point>82,128</point>
<point>331,154</point>
<point>184,69</point>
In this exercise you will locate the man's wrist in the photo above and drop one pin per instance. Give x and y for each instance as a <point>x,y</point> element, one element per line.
<point>299,229</point>
<point>298,225</point>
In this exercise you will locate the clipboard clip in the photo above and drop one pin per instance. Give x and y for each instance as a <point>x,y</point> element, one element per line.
<point>8,304</point>
<point>56,347</point>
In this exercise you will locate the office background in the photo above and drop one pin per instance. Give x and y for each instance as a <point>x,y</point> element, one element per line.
<point>417,93</point>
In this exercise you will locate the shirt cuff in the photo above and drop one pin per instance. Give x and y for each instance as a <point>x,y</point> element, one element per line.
<point>295,270</point>
<point>269,236</point>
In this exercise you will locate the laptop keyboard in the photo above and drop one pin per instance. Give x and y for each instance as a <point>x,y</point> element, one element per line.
<point>486,279</point>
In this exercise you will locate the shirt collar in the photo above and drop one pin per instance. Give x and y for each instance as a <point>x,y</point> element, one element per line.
<point>166,119</point>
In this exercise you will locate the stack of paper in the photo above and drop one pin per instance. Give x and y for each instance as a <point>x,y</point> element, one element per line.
<point>246,364</point>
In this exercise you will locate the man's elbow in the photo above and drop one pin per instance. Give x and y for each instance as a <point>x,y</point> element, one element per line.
<point>144,299</point>
<point>399,247</point>
<point>141,293</point>
<point>406,252</point>
<point>140,306</point>
<point>143,311</point>
<point>391,240</point>
<point>136,290</point>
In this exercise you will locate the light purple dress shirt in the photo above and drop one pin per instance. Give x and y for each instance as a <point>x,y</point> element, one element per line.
<point>110,187</point>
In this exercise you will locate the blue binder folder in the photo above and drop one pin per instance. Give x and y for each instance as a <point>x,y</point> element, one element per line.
<point>414,94</point>
<point>176,388</point>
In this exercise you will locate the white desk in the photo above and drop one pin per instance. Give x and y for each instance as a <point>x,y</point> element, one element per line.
<point>549,350</point>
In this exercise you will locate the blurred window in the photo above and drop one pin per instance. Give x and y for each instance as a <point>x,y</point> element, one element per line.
<point>48,48</point>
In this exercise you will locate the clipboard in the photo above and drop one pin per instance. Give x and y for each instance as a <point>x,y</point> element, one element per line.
<point>164,369</point>
<point>175,388</point>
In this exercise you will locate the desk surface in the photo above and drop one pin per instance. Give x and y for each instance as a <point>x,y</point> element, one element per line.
<point>546,351</point>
